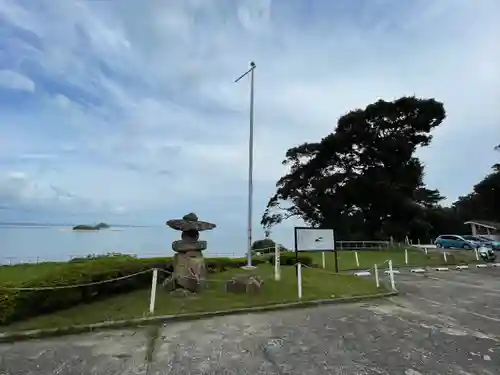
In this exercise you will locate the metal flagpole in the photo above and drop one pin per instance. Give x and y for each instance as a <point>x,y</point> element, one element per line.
<point>250,164</point>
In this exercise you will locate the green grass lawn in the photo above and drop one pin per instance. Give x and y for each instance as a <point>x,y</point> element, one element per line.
<point>367,259</point>
<point>454,257</point>
<point>317,284</point>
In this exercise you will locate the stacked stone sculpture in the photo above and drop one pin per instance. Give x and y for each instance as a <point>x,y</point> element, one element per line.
<point>189,265</point>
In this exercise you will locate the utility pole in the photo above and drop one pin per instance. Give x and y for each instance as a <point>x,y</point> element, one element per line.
<point>250,165</point>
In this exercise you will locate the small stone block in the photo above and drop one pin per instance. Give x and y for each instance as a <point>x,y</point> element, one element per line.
<point>462,267</point>
<point>442,269</point>
<point>481,266</point>
<point>245,283</point>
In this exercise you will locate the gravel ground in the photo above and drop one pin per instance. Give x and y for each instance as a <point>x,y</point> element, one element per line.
<point>443,323</point>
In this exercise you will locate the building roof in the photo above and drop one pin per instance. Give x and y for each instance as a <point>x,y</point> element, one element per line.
<point>485,224</point>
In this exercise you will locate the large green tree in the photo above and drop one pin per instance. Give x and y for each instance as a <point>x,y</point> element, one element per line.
<point>363,179</point>
<point>484,201</point>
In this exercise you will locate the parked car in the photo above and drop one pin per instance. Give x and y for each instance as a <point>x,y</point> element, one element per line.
<point>495,245</point>
<point>479,241</point>
<point>448,241</point>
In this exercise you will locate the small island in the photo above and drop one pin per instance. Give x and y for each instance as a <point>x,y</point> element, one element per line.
<point>91,227</point>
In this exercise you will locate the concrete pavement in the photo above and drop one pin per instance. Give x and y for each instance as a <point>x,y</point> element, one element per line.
<point>443,323</point>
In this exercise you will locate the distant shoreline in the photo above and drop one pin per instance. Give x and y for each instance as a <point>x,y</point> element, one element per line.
<point>91,230</point>
<point>91,227</point>
<point>51,225</point>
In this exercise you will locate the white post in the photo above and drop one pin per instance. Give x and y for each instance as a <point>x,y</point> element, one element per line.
<point>357,259</point>
<point>154,282</point>
<point>277,263</point>
<point>376,276</point>
<point>406,256</point>
<point>391,275</point>
<point>477,255</point>
<point>425,250</point>
<point>299,280</point>
<point>445,259</point>
<point>323,260</point>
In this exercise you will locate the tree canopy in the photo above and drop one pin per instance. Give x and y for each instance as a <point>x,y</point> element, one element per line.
<point>365,180</point>
<point>484,200</point>
<point>266,246</point>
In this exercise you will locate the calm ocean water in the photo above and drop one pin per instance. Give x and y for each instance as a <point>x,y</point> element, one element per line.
<point>37,243</point>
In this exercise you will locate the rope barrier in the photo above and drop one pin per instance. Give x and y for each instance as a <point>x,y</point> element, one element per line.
<point>104,282</point>
<point>165,271</point>
<point>208,280</point>
<point>77,285</point>
<point>56,287</point>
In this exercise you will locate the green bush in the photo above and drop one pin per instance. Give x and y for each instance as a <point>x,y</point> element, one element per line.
<point>289,259</point>
<point>17,305</point>
<point>266,246</point>
<point>216,265</point>
<point>103,256</point>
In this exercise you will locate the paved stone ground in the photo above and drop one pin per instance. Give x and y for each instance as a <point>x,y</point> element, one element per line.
<point>443,323</point>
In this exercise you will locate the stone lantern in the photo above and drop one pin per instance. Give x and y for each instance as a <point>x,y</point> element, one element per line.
<point>189,265</point>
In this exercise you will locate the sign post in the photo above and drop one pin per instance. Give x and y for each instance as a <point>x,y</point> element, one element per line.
<point>277,265</point>
<point>336,261</point>
<point>315,240</point>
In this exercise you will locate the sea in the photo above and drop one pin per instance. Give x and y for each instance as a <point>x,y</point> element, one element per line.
<point>35,243</point>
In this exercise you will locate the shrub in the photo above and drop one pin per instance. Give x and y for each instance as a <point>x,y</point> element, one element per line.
<point>102,256</point>
<point>17,305</point>
<point>266,246</point>
<point>216,265</point>
<point>289,259</point>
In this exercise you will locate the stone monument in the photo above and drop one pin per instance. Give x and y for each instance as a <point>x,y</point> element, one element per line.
<point>189,265</point>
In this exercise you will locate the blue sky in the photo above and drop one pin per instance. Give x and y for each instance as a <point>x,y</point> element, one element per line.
<point>126,111</point>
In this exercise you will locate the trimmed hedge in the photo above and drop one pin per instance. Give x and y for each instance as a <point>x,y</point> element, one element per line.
<point>17,305</point>
<point>288,259</point>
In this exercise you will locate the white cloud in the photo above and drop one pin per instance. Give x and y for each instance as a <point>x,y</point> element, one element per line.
<point>139,104</point>
<point>15,81</point>
<point>15,175</point>
<point>31,156</point>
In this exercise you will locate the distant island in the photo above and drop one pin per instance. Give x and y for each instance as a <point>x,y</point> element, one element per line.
<point>91,227</point>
